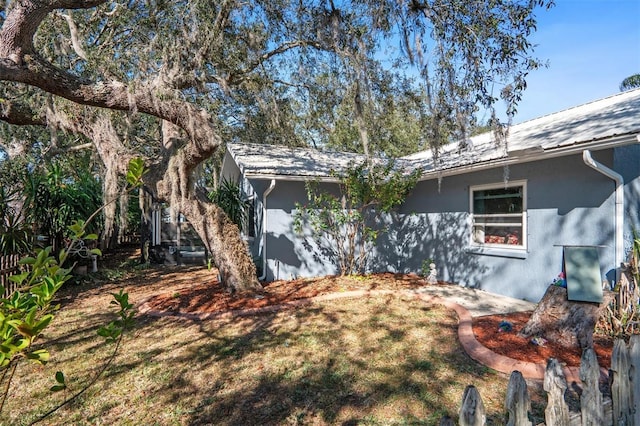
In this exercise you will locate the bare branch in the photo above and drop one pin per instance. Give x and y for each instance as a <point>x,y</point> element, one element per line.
<point>241,75</point>
<point>73,30</point>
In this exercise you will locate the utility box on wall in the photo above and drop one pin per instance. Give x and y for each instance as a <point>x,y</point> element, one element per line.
<point>582,272</point>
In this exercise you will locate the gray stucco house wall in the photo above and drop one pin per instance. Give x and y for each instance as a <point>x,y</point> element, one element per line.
<point>564,202</point>
<point>568,204</point>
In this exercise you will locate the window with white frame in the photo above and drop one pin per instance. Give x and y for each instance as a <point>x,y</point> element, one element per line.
<point>499,215</point>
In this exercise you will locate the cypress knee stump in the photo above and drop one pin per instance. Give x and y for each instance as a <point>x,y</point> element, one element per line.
<point>564,321</point>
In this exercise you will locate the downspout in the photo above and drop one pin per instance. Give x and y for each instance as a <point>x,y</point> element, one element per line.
<point>264,229</point>
<point>619,206</point>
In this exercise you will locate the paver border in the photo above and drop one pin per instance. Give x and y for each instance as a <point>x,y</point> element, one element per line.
<point>470,344</point>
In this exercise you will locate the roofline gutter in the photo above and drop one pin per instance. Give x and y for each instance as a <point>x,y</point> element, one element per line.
<point>291,178</point>
<point>619,206</point>
<point>264,229</point>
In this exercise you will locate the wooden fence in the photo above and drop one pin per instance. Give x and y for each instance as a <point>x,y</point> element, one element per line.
<point>9,266</point>
<point>622,408</point>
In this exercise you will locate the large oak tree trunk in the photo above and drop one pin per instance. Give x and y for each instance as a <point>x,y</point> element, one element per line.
<point>173,179</point>
<point>222,237</point>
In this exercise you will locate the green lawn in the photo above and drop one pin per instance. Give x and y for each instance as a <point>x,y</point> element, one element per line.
<point>372,361</point>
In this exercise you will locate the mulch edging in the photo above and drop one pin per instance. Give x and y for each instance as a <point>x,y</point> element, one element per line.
<point>471,346</point>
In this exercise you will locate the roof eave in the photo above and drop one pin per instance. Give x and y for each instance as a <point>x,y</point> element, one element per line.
<point>594,145</point>
<point>293,178</point>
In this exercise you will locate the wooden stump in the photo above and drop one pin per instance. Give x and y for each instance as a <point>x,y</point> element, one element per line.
<point>591,406</point>
<point>563,321</point>
<point>621,391</point>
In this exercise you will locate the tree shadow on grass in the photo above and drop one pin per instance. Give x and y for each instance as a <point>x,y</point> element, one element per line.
<point>321,364</point>
<point>376,359</point>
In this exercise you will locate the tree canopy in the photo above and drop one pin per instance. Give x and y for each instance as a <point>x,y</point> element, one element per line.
<point>173,80</point>
<point>631,82</point>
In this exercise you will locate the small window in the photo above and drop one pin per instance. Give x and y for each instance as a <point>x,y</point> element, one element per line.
<point>249,218</point>
<point>250,227</point>
<point>498,215</point>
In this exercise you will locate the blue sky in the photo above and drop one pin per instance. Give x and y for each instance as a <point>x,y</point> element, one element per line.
<point>591,46</point>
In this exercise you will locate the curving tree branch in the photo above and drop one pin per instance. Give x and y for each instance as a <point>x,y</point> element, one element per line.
<point>20,63</point>
<point>23,20</point>
<point>13,112</point>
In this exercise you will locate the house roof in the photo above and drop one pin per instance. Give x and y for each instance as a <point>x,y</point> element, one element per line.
<point>275,161</point>
<point>608,122</point>
<point>611,121</point>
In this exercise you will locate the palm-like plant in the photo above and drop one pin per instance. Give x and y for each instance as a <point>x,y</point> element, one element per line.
<point>228,196</point>
<point>54,201</point>
<point>15,235</point>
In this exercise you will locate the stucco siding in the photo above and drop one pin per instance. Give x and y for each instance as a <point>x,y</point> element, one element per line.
<point>290,254</point>
<point>567,203</point>
<point>627,163</point>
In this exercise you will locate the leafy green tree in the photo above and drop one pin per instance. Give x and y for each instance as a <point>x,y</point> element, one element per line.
<point>344,224</point>
<point>39,181</point>
<point>395,120</point>
<point>29,310</point>
<point>53,201</point>
<point>172,80</point>
<point>631,82</point>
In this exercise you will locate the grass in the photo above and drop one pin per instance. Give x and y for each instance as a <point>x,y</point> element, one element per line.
<point>383,360</point>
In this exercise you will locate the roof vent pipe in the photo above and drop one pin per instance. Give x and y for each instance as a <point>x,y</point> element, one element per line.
<point>264,229</point>
<point>619,206</point>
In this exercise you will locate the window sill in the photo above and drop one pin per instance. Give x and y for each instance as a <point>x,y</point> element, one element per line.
<point>516,253</point>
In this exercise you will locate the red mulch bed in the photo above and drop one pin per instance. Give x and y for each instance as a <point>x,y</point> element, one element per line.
<point>508,343</point>
<point>211,297</point>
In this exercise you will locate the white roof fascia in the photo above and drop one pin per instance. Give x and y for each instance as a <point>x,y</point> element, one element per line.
<point>293,178</point>
<point>234,156</point>
<point>598,145</point>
